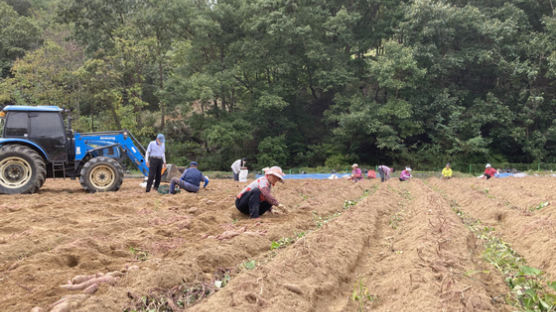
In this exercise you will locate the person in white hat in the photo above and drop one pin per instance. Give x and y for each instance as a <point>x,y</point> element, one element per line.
<point>256,199</point>
<point>406,174</point>
<point>355,173</point>
<point>489,171</point>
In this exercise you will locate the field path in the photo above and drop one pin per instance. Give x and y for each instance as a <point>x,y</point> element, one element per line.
<point>400,249</point>
<point>344,246</point>
<point>509,206</point>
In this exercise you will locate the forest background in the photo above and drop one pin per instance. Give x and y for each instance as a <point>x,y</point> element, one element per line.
<point>295,82</point>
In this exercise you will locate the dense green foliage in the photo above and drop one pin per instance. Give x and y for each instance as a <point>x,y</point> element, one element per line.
<point>295,83</point>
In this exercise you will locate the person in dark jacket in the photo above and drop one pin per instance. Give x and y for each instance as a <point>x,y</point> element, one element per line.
<point>190,180</point>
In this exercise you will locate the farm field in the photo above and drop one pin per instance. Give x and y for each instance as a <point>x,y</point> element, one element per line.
<point>413,246</point>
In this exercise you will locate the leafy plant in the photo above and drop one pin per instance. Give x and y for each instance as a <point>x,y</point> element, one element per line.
<point>361,295</point>
<point>249,265</point>
<point>539,206</point>
<point>139,254</point>
<point>281,243</point>
<point>526,283</point>
<point>349,203</point>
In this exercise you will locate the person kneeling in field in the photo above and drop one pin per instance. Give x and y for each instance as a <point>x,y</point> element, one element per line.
<point>447,172</point>
<point>255,199</point>
<point>355,173</point>
<point>406,174</point>
<point>190,180</point>
<point>489,171</point>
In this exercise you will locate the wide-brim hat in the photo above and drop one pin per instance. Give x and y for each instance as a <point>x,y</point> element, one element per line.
<point>354,165</point>
<point>277,172</point>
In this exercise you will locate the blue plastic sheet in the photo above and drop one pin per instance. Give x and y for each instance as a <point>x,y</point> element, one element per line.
<point>504,175</point>
<point>317,176</point>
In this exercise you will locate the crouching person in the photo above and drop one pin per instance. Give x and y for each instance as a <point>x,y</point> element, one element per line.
<point>255,199</point>
<point>190,180</point>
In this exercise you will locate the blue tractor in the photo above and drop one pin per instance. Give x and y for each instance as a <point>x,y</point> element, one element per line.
<point>35,145</point>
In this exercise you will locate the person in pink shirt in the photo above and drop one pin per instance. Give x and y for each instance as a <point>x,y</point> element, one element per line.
<point>406,174</point>
<point>356,174</point>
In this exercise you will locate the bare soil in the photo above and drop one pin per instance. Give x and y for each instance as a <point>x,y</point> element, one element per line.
<point>401,247</point>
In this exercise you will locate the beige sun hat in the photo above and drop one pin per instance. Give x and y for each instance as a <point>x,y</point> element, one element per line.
<point>275,171</point>
<point>354,165</point>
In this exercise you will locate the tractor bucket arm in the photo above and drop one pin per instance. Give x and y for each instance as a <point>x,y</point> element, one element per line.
<point>90,142</point>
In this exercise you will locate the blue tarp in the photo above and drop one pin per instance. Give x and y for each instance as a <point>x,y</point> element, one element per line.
<point>504,175</point>
<point>318,176</point>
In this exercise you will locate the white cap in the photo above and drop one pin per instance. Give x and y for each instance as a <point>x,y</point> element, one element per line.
<point>407,168</point>
<point>488,166</point>
<point>354,165</point>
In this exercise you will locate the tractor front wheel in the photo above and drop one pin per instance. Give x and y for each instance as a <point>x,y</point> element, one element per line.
<point>101,174</point>
<point>22,170</point>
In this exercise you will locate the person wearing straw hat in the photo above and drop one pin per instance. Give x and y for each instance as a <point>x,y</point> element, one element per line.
<point>355,173</point>
<point>190,180</point>
<point>256,199</point>
<point>156,160</point>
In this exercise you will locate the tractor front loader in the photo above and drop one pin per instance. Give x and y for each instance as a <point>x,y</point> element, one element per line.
<point>35,145</point>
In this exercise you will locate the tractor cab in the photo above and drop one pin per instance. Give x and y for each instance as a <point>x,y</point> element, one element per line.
<point>41,125</point>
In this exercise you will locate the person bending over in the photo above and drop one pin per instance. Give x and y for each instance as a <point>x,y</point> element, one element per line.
<point>384,172</point>
<point>236,168</point>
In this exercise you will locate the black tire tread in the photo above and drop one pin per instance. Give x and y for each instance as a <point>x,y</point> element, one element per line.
<point>38,161</point>
<point>83,174</point>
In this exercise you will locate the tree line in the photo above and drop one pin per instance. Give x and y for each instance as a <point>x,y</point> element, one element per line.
<point>295,83</point>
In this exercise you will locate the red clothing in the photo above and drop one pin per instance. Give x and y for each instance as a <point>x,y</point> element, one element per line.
<point>490,171</point>
<point>371,174</point>
<point>264,186</point>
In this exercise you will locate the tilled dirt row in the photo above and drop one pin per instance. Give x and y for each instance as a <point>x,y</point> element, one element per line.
<point>186,239</point>
<point>514,208</point>
<point>400,249</point>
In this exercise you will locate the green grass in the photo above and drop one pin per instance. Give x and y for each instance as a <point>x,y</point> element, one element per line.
<point>529,290</point>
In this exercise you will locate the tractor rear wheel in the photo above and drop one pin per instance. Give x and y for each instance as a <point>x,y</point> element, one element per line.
<point>101,174</point>
<point>22,170</point>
